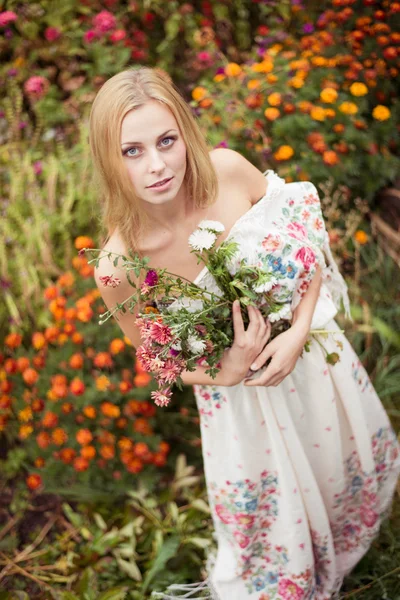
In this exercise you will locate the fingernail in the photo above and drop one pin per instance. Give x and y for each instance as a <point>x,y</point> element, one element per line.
<point>253,367</point>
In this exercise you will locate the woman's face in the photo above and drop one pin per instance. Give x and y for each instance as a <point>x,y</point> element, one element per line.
<point>153,150</point>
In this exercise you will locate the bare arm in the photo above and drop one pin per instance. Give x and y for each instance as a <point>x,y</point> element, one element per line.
<point>303,313</point>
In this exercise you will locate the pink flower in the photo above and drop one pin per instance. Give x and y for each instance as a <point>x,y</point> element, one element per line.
<point>110,281</point>
<point>118,35</point>
<point>306,256</point>
<point>104,21</point>
<point>298,230</point>
<point>37,167</point>
<point>161,397</point>
<point>224,514</point>
<point>289,590</point>
<point>242,539</point>
<point>160,333</point>
<point>271,243</point>
<point>170,371</point>
<point>36,86</point>
<point>6,17</point>
<point>52,34</point>
<point>318,224</point>
<point>89,36</point>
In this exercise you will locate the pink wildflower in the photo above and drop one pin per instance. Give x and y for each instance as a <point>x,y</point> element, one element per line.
<point>104,21</point>
<point>36,86</point>
<point>161,397</point>
<point>160,333</point>
<point>170,371</point>
<point>7,17</point>
<point>110,281</point>
<point>52,34</point>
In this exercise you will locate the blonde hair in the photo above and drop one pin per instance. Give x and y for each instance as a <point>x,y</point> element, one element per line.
<point>119,95</point>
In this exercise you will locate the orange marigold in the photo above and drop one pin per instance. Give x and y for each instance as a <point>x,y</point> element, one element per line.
<point>88,452</point>
<point>22,363</point>
<point>116,346</point>
<point>77,387</point>
<point>13,340</point>
<point>198,93</point>
<point>83,436</point>
<point>59,436</point>
<point>107,452</point>
<point>34,481</point>
<point>103,360</point>
<point>361,237</point>
<point>38,340</point>
<point>30,376</point>
<point>233,70</point>
<point>284,153</point>
<point>43,439</point>
<point>110,410</point>
<point>135,465</point>
<point>67,455</point>
<point>89,412</point>
<point>83,241</point>
<point>381,113</point>
<point>50,419</point>
<point>330,158</point>
<point>80,464</point>
<point>142,426</point>
<point>141,379</point>
<point>272,113</point>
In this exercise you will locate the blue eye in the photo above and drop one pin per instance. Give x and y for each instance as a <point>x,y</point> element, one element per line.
<point>127,152</point>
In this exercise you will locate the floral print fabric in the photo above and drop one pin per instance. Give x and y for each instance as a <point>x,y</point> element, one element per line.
<point>299,476</point>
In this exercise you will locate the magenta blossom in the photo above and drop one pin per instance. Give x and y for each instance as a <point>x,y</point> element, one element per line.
<point>52,34</point>
<point>151,278</point>
<point>104,21</point>
<point>6,17</point>
<point>36,86</point>
<point>90,36</point>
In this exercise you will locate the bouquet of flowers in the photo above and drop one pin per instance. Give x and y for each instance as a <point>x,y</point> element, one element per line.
<point>183,325</point>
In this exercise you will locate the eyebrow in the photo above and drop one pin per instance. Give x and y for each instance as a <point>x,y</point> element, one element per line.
<point>139,143</point>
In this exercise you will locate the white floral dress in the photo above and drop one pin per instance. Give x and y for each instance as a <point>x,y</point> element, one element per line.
<point>299,476</point>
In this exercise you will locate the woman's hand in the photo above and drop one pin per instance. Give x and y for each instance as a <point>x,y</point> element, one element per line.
<point>247,344</point>
<point>284,350</point>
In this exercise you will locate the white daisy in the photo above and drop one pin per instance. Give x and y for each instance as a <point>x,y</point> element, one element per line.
<point>284,313</point>
<point>266,286</point>
<point>215,226</point>
<point>201,239</point>
<point>195,345</point>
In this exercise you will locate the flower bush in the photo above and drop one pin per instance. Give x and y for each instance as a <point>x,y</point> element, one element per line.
<point>318,108</point>
<point>79,403</point>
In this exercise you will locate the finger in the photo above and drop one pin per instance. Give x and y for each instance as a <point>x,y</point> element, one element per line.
<point>262,357</point>
<point>267,332</point>
<point>238,325</point>
<point>255,323</point>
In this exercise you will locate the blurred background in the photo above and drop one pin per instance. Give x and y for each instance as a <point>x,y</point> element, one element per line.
<point>102,496</point>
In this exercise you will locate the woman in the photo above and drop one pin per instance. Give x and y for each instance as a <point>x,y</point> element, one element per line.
<point>300,459</point>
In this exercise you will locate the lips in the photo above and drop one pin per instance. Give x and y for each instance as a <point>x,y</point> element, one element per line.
<point>160,183</point>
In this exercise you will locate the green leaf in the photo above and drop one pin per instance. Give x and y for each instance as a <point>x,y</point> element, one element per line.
<point>130,568</point>
<point>167,551</point>
<point>113,594</point>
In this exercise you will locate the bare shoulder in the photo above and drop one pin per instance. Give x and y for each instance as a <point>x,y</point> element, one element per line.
<point>234,168</point>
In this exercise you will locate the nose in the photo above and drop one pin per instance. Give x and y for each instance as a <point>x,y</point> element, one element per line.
<point>156,162</point>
